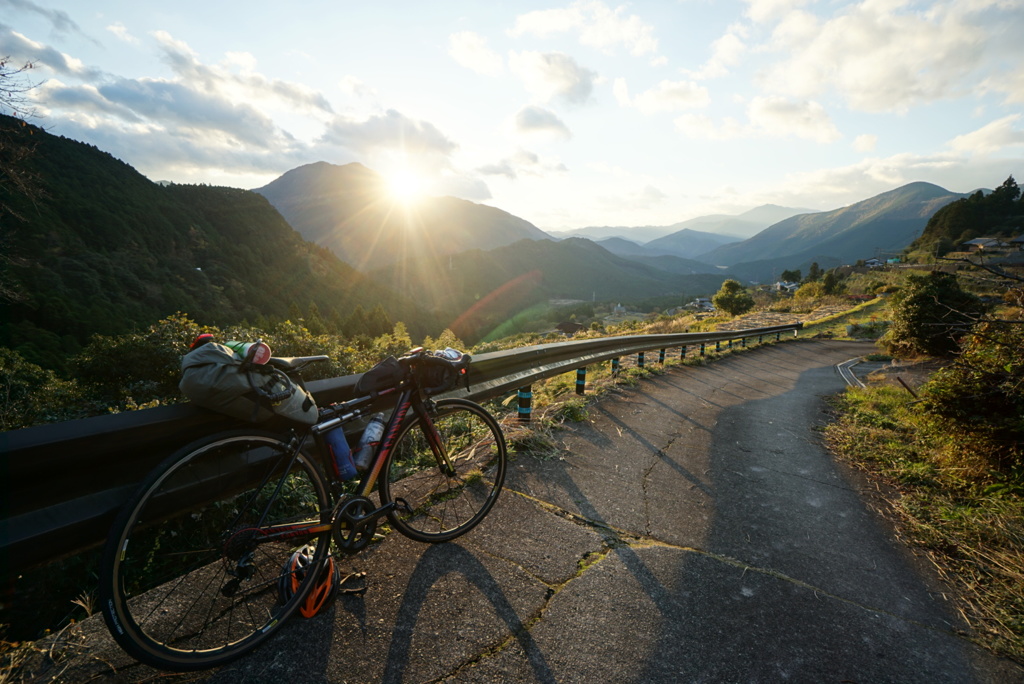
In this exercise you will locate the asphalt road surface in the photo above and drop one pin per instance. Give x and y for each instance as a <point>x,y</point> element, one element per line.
<point>693,529</point>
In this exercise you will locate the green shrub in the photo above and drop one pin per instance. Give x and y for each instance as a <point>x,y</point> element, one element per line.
<point>30,395</point>
<point>929,316</point>
<point>983,392</point>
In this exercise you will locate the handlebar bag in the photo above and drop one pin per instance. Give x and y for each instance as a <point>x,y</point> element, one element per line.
<point>213,377</point>
<point>385,375</point>
<point>436,375</point>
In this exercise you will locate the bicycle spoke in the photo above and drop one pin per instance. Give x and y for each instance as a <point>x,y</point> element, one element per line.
<point>197,573</point>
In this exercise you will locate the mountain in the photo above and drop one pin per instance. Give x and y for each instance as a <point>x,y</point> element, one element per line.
<point>661,259</point>
<point>480,288</point>
<point>736,227</point>
<point>639,234</point>
<point>348,210</point>
<point>100,249</point>
<point>623,247</point>
<point>886,223</point>
<point>688,243</point>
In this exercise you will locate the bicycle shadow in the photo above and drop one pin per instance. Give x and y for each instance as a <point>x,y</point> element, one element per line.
<point>435,563</point>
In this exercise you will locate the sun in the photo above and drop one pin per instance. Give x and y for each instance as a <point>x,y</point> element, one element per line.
<point>405,185</point>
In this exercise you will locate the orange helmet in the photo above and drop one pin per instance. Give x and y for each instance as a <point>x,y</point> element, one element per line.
<point>325,587</point>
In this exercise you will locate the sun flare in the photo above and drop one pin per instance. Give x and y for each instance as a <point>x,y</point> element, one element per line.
<point>405,185</point>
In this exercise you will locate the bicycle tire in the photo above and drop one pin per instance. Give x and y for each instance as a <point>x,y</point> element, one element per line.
<point>439,507</point>
<point>183,584</point>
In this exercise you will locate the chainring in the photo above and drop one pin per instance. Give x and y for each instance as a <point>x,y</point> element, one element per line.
<point>353,530</point>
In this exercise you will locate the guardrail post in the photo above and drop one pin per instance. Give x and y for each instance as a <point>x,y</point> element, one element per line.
<point>718,345</point>
<point>730,344</point>
<point>661,357</point>
<point>743,342</point>
<point>702,346</point>
<point>525,403</point>
<point>682,352</point>
<point>615,367</point>
<point>760,339</point>
<point>640,359</point>
<point>778,336</point>
<point>581,380</point>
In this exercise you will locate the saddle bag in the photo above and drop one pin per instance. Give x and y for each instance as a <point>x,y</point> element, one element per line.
<point>213,377</point>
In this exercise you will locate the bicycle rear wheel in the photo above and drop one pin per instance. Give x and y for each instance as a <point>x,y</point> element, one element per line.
<point>439,506</point>
<point>188,580</point>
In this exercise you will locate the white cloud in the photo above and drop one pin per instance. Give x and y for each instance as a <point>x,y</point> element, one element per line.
<point>778,117</point>
<point>882,55</point>
<point>553,75</point>
<point>22,49</point>
<point>119,30</point>
<point>667,96</point>
<point>354,87</point>
<point>391,130</point>
<point>865,142</point>
<point>726,52</point>
<point>533,120</point>
<point>599,26</point>
<point>523,162</point>
<point>761,11</point>
<point>996,136</point>
<point>470,50</point>
<point>62,23</point>
<point>246,84</point>
<point>767,117</point>
<point>219,118</point>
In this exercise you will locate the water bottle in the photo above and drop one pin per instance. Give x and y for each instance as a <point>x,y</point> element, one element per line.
<point>341,455</point>
<point>253,352</point>
<point>370,439</point>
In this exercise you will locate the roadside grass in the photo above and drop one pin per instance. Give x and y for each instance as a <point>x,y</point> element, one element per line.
<point>868,320</point>
<point>949,502</point>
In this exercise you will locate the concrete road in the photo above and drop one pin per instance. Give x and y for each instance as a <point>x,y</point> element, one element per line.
<point>692,530</point>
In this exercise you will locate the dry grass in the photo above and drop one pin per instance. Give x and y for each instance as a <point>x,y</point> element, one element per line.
<point>949,502</point>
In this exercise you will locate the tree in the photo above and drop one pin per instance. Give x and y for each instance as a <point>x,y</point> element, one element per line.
<point>831,283</point>
<point>14,89</point>
<point>814,273</point>
<point>15,141</point>
<point>791,276</point>
<point>930,315</point>
<point>733,299</point>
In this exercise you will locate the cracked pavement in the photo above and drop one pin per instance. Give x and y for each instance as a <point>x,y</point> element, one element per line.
<point>693,529</point>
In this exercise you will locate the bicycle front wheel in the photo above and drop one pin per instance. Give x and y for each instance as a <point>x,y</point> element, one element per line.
<point>188,578</point>
<point>436,503</point>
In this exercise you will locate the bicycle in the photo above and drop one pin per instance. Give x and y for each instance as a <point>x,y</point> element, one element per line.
<point>226,538</point>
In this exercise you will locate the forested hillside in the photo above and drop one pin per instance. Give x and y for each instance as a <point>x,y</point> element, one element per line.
<point>473,291</point>
<point>98,248</point>
<point>997,214</point>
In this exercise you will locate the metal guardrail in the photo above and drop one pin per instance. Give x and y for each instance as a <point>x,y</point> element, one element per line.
<point>65,482</point>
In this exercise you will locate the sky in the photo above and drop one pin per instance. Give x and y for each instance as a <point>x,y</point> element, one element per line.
<point>566,114</point>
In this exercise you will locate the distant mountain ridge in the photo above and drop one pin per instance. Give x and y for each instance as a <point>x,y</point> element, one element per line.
<point>885,223</point>
<point>687,239</point>
<point>737,226</point>
<point>347,209</point>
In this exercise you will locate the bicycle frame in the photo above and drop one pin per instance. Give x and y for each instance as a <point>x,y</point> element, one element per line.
<point>410,398</point>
